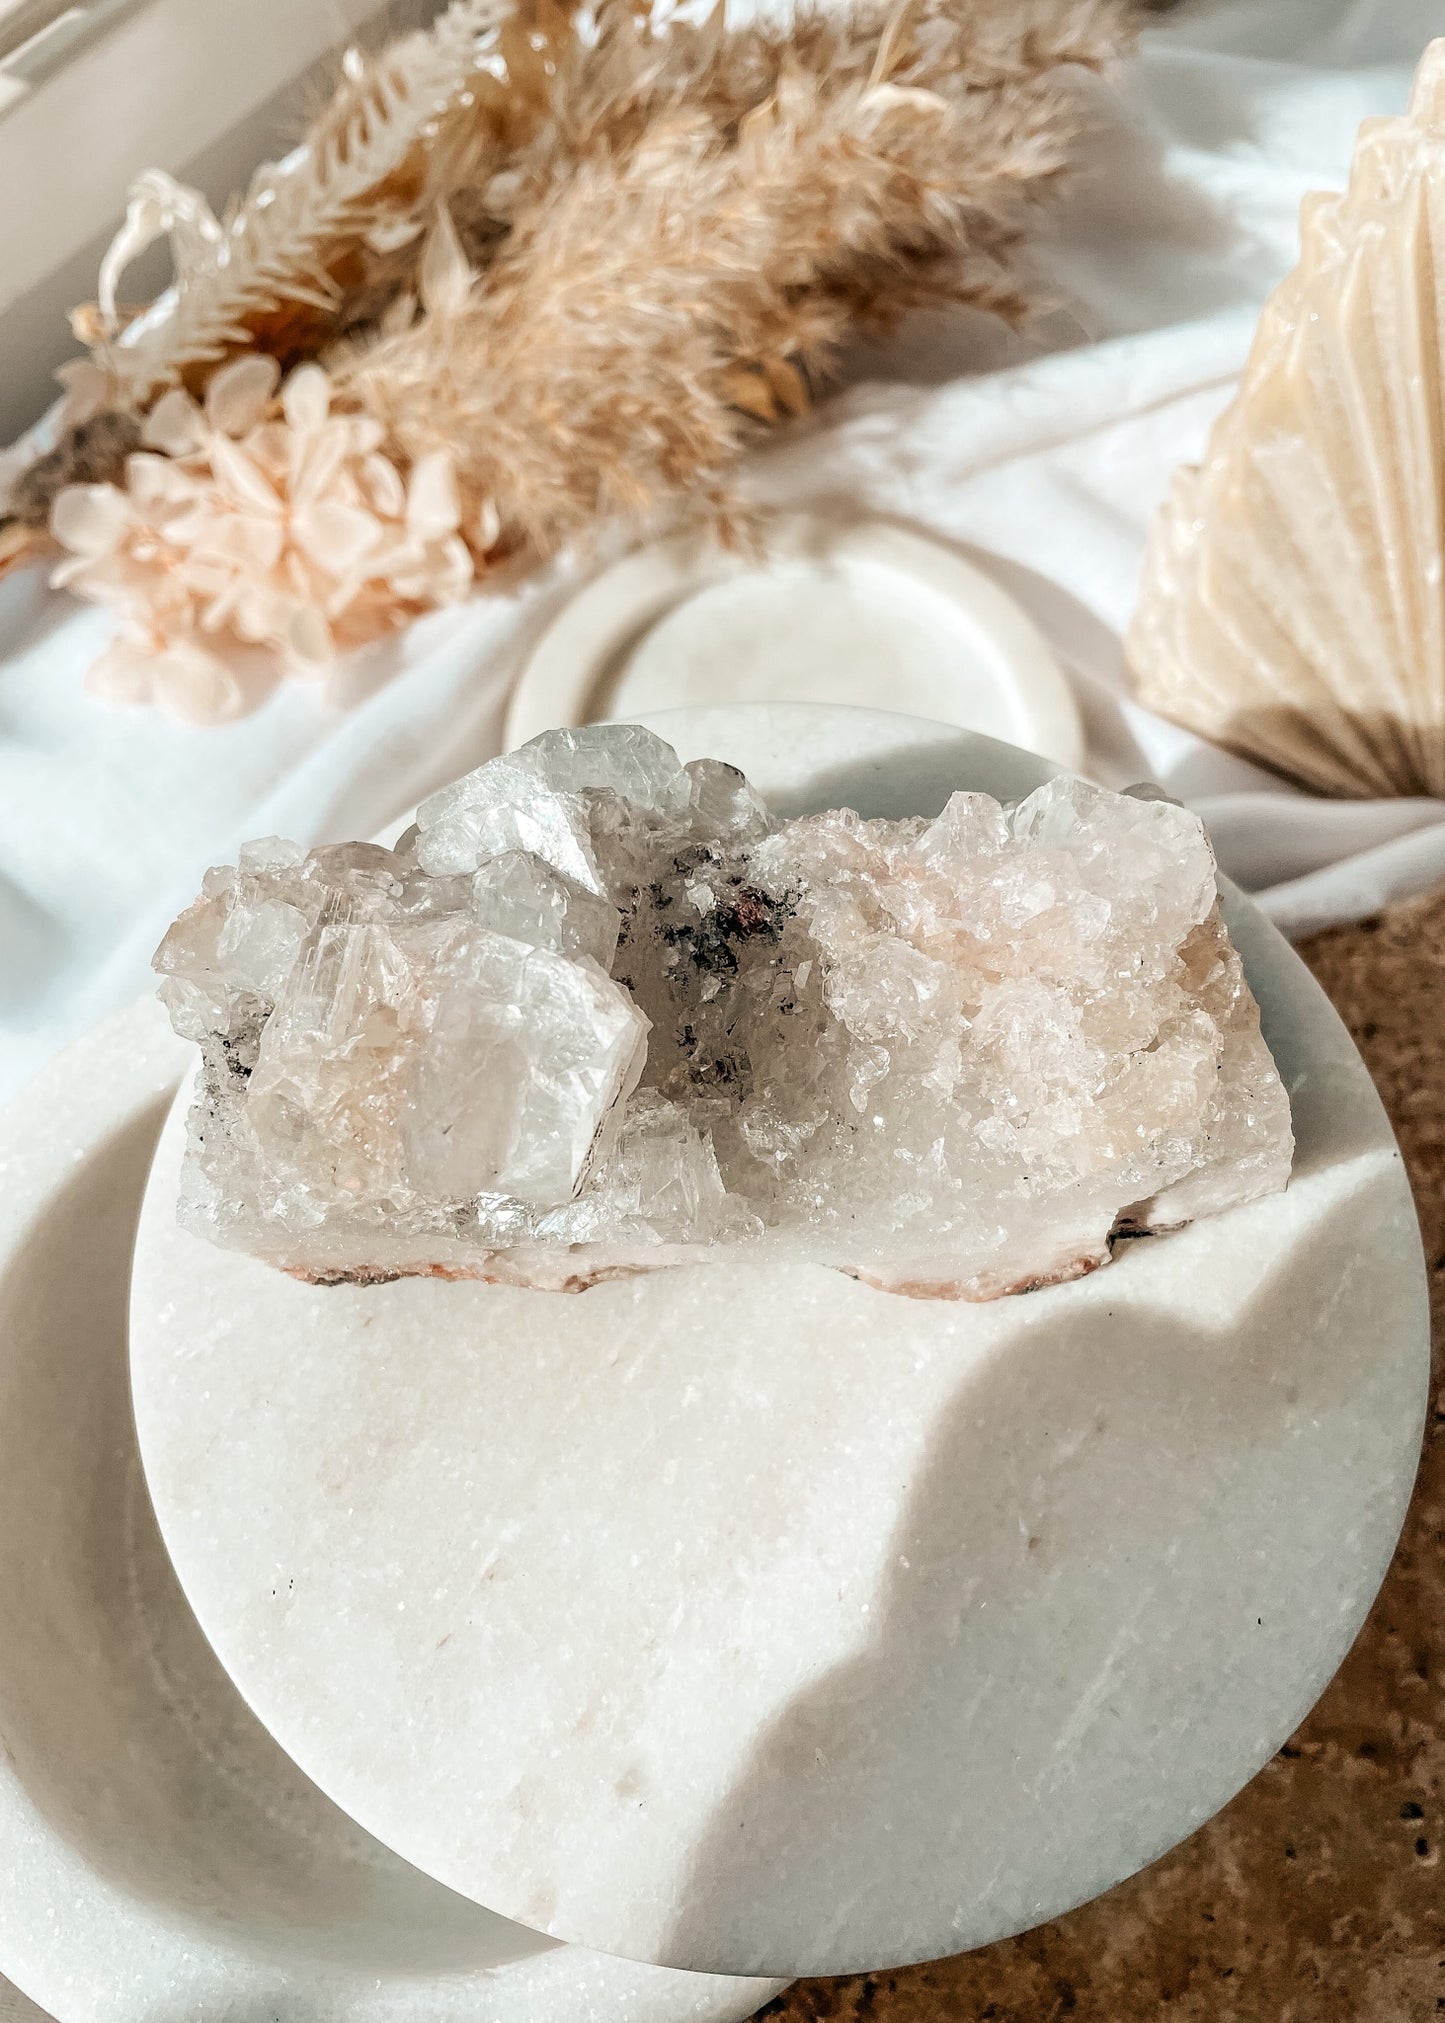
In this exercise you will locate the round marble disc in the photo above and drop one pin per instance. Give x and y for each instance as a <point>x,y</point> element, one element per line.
<point>161,1859</point>
<point>759,1622</point>
<point>859,612</point>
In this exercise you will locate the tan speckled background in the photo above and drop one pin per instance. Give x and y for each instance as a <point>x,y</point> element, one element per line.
<point>1318,1896</point>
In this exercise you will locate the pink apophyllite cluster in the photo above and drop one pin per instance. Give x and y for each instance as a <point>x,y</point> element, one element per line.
<point>600,1013</point>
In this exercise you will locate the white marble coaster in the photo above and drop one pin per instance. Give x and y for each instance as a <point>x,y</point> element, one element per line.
<point>861,612</point>
<point>161,1860</point>
<point>760,1622</point>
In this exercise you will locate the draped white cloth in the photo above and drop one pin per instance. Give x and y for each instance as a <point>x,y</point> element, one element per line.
<point>1045,457</point>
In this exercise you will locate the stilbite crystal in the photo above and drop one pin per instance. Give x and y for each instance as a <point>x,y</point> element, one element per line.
<point>599,1013</point>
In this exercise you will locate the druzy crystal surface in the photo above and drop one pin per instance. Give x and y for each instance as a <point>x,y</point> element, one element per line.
<point>599,1013</point>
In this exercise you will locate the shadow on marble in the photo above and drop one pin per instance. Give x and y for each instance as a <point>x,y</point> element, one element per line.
<point>1315,1897</point>
<point>844,1769</point>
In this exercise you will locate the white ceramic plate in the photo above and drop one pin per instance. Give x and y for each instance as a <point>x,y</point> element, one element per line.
<point>865,614</point>
<point>754,1620</point>
<point>161,1860</point>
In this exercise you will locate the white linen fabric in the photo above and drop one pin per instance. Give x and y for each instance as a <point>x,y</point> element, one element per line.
<point>1045,457</point>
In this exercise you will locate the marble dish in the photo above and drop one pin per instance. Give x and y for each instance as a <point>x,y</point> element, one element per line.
<point>858,612</point>
<point>763,1622</point>
<point>160,1857</point>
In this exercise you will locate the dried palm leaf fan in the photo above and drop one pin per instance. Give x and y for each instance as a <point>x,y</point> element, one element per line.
<point>1293,604</point>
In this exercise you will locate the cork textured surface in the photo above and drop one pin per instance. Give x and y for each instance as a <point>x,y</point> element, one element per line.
<point>1318,1895</point>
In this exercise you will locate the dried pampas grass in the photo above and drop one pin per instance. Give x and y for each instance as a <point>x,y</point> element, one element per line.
<point>682,277</point>
<point>573,259</point>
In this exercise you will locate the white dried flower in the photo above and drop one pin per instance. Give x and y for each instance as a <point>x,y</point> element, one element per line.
<point>248,542</point>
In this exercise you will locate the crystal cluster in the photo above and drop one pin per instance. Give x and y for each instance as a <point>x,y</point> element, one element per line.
<point>599,1013</point>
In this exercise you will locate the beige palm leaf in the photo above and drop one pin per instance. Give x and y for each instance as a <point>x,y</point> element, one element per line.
<point>1293,601</point>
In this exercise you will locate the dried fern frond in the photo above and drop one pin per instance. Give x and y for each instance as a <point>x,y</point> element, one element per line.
<point>281,245</point>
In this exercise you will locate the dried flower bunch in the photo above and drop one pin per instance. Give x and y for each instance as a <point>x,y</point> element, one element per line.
<point>533,270</point>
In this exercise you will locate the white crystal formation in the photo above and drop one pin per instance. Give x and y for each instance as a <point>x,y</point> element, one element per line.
<point>599,1013</point>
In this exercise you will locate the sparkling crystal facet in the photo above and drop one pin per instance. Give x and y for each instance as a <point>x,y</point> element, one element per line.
<point>598,1013</point>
